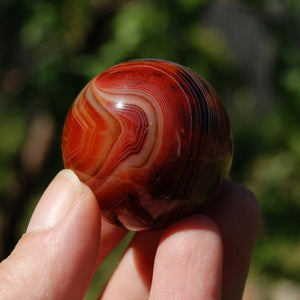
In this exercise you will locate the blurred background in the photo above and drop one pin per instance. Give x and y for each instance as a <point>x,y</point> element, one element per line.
<point>248,50</point>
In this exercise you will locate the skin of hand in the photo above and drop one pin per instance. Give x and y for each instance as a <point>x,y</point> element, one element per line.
<point>201,257</point>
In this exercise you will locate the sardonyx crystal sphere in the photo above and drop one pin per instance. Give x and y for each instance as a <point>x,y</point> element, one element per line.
<point>151,139</point>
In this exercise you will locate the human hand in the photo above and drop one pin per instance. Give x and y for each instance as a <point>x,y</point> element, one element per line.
<point>200,257</point>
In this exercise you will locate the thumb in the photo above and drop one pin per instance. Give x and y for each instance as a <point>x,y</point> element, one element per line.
<point>57,256</point>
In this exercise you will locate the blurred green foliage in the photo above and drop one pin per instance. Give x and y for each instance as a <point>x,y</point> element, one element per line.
<point>50,49</point>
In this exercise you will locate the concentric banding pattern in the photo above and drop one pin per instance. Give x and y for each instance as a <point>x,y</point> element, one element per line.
<point>151,139</point>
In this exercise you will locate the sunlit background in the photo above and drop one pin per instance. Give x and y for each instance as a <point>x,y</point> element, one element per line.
<point>248,50</point>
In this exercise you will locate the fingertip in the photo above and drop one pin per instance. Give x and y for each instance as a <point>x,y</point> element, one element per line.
<point>57,200</point>
<point>251,204</point>
<point>234,202</point>
<point>72,178</point>
<point>188,263</point>
<point>195,222</point>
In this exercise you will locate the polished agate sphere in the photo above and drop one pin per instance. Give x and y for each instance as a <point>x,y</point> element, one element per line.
<point>151,139</point>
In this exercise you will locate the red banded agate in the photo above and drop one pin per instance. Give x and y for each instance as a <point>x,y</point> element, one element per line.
<point>151,139</point>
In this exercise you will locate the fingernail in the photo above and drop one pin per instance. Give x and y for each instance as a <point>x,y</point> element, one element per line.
<point>58,199</point>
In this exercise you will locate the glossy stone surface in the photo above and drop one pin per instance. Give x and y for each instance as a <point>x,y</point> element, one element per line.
<point>151,139</point>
